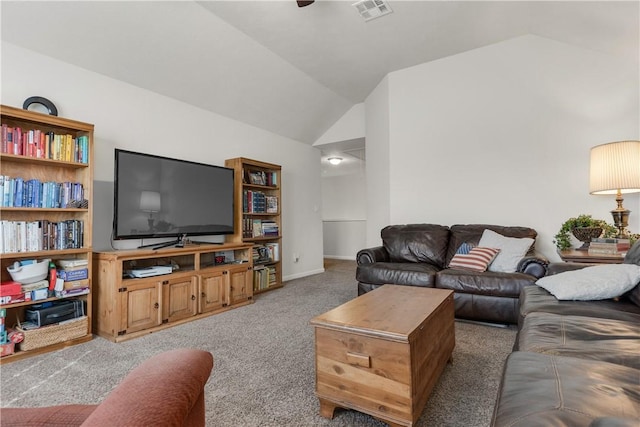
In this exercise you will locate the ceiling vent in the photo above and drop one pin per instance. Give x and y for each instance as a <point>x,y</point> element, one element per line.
<point>371,9</point>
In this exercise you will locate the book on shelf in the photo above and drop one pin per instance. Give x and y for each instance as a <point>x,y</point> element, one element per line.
<point>44,145</point>
<point>260,177</point>
<point>274,251</point>
<point>263,277</point>
<point>253,227</point>
<point>40,235</point>
<point>270,228</point>
<point>271,204</point>
<point>257,228</point>
<point>269,252</point>
<point>32,193</point>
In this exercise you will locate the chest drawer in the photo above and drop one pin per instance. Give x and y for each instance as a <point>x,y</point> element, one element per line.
<point>372,374</point>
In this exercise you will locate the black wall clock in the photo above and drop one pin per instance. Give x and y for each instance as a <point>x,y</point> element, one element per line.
<point>53,111</point>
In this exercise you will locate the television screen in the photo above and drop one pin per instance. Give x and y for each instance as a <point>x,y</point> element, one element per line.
<point>161,197</point>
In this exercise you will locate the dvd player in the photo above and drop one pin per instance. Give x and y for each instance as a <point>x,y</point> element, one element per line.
<point>156,270</point>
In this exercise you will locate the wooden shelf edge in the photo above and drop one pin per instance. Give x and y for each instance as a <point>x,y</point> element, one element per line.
<point>158,328</point>
<point>45,254</point>
<point>270,288</point>
<point>19,355</point>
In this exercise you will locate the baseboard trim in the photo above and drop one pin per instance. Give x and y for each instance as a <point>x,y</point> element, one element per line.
<point>479,322</point>
<point>304,274</point>
<point>343,257</point>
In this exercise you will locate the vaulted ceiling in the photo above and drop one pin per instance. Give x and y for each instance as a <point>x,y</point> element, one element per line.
<point>293,71</point>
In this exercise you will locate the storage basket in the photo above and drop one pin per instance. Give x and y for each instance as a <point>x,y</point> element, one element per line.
<point>53,334</point>
<point>30,273</point>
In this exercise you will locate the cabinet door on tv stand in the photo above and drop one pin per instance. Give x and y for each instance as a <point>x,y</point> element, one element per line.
<point>214,293</point>
<point>140,304</point>
<point>240,284</point>
<point>179,300</point>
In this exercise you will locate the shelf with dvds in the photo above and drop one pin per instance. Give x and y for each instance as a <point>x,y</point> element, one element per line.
<point>258,217</point>
<point>46,186</point>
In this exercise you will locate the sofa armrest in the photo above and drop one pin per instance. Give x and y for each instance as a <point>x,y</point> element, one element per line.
<point>534,265</point>
<point>165,390</point>
<point>561,267</point>
<point>371,255</point>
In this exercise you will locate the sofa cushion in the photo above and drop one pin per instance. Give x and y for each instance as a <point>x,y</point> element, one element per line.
<point>634,295</point>
<point>543,390</point>
<point>633,254</point>
<point>536,299</point>
<point>471,233</point>
<point>613,341</point>
<point>403,273</point>
<point>512,250</point>
<point>416,243</point>
<point>592,283</point>
<point>477,259</point>
<point>485,283</point>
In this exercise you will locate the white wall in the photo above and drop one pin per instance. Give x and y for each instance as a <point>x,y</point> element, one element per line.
<point>377,134</point>
<point>128,117</point>
<point>501,135</point>
<point>349,126</point>
<point>344,213</point>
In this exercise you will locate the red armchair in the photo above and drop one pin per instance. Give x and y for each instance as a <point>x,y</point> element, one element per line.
<point>166,390</point>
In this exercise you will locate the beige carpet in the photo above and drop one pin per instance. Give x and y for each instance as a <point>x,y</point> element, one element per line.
<point>263,372</point>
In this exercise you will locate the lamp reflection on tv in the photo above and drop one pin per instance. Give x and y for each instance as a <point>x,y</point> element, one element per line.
<point>150,202</point>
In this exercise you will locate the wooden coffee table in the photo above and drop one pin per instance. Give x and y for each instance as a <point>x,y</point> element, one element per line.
<point>383,352</point>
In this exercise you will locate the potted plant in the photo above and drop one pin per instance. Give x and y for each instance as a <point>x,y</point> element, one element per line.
<point>584,228</point>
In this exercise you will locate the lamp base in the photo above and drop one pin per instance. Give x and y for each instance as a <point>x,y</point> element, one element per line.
<point>621,221</point>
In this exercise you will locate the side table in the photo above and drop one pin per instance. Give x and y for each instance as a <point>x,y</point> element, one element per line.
<point>573,255</point>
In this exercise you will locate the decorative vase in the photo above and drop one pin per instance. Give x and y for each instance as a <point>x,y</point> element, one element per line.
<point>585,234</point>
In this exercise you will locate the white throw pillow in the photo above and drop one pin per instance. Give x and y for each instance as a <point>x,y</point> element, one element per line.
<point>592,283</point>
<point>512,250</point>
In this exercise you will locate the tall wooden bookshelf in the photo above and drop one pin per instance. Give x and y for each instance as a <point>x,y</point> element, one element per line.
<point>258,219</point>
<point>63,154</point>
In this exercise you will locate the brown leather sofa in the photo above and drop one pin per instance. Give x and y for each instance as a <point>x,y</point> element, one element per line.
<point>418,255</point>
<point>166,390</point>
<point>575,363</point>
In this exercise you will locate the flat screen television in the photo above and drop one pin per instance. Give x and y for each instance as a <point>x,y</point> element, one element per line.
<point>161,197</point>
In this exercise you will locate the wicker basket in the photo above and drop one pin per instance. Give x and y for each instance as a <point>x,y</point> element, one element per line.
<point>53,334</point>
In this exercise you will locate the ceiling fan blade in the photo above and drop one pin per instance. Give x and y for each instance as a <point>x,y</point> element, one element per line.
<point>302,3</point>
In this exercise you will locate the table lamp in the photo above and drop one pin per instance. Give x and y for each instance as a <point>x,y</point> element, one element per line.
<point>615,169</point>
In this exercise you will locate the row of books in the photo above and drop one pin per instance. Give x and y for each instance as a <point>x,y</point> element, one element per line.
<point>269,252</point>
<point>263,277</point>
<point>42,235</point>
<point>44,145</point>
<point>258,202</point>
<point>259,177</point>
<point>32,193</point>
<point>259,228</point>
<point>608,246</point>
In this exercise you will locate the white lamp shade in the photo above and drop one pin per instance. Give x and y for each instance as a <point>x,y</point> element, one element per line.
<point>150,201</point>
<point>615,167</point>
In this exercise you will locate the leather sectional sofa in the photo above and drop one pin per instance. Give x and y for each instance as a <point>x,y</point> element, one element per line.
<point>419,255</point>
<point>575,363</point>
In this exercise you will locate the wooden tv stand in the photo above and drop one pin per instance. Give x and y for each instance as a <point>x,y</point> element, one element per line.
<point>201,284</point>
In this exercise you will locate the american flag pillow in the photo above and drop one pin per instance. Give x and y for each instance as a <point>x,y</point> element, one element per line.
<point>478,259</point>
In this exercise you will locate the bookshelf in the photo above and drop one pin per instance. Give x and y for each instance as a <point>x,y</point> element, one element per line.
<point>46,176</point>
<point>258,207</point>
